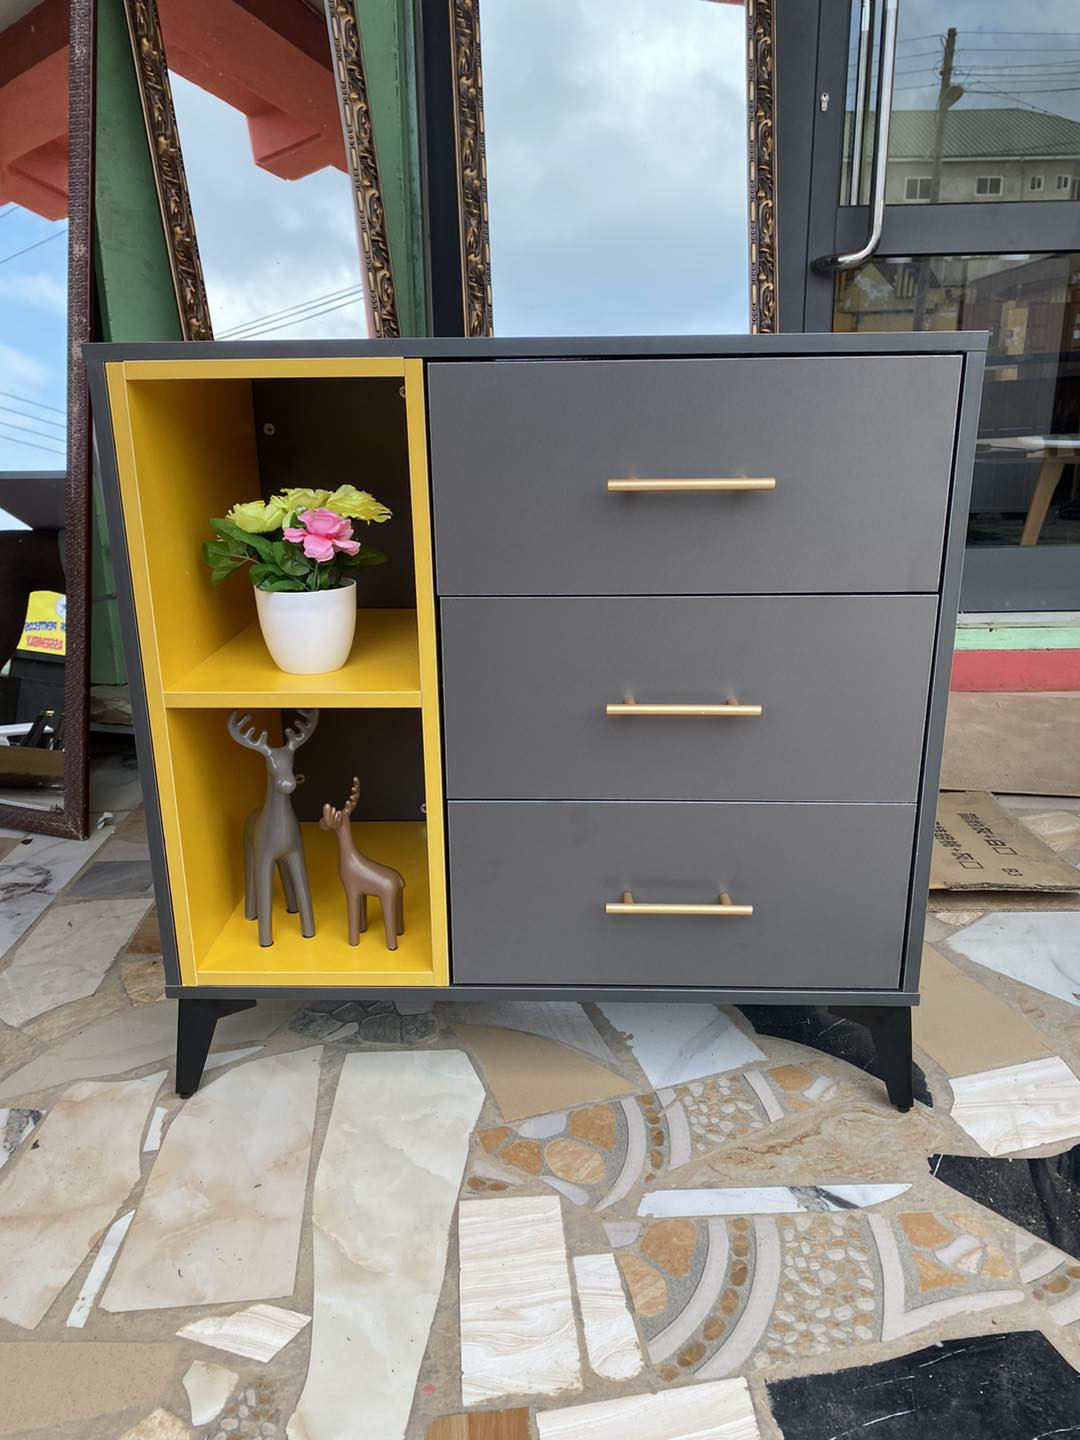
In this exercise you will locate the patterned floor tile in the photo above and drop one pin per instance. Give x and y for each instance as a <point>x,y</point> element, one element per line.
<point>1041,1196</point>
<point>1019,1107</point>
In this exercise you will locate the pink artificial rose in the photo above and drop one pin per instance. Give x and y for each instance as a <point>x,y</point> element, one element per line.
<point>323,534</point>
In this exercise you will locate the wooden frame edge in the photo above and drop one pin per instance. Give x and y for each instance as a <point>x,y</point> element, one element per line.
<point>167,160</point>
<point>471,167</point>
<point>761,116</point>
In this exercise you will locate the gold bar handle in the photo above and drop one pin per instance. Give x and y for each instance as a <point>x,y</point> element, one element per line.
<point>663,487</point>
<point>729,708</point>
<point>629,906</point>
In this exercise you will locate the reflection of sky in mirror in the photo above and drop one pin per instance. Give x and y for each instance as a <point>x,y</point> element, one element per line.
<point>616,152</point>
<point>33,341</point>
<point>280,257</point>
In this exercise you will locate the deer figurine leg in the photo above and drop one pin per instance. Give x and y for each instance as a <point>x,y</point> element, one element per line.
<point>264,900</point>
<point>250,910</point>
<point>294,864</point>
<point>352,910</point>
<point>288,887</point>
<point>399,910</point>
<point>387,899</point>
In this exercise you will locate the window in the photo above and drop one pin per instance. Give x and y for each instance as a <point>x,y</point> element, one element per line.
<point>988,185</point>
<point>1064,182</point>
<point>917,187</point>
<point>1035,182</point>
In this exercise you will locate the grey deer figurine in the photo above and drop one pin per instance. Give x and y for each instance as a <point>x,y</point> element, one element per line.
<point>272,834</point>
<point>362,877</point>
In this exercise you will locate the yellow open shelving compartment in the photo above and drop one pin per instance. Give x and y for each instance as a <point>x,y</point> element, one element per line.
<point>192,439</point>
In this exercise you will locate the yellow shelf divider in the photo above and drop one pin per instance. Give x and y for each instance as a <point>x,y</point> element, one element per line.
<point>383,672</point>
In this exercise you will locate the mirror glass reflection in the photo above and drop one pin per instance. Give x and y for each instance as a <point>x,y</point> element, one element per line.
<point>260,130</point>
<point>617,166</point>
<point>33,397</point>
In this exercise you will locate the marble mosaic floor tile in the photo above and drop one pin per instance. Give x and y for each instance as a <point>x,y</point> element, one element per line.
<point>596,1154</point>
<point>112,877</point>
<point>527,1074</point>
<point>65,957</point>
<point>99,1270</point>
<point>257,1333</point>
<point>147,938</point>
<point>61,1194</point>
<point>208,1387</point>
<point>15,1125</point>
<point>1010,1387</point>
<point>676,1043</point>
<point>154,1130</point>
<point>518,1333</point>
<point>819,1028</point>
<point>767,1199</point>
<point>1039,947</point>
<point>218,1058</point>
<point>220,1217</point>
<point>993,1032</point>
<point>144,979</point>
<point>160,1424</point>
<point>385,1189</point>
<point>1041,1196</point>
<point>1054,1278</point>
<point>33,873</point>
<point>722,1410</point>
<point>563,1021</point>
<point>611,1342</point>
<point>482,1425</point>
<point>1019,1106</point>
<point>132,1039</point>
<point>48,1384</point>
<point>718,1296</point>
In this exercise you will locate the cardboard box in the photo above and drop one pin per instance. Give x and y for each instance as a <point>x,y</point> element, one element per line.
<point>978,846</point>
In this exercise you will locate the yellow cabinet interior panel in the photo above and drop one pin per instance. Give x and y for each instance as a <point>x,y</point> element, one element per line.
<point>382,671</point>
<point>186,451</point>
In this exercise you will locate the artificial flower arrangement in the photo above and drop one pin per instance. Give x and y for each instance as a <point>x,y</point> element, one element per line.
<point>296,540</point>
<point>300,547</point>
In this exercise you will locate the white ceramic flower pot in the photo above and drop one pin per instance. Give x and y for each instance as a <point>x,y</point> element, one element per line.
<point>308,632</point>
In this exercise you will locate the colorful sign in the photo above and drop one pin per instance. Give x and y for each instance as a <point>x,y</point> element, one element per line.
<point>45,628</point>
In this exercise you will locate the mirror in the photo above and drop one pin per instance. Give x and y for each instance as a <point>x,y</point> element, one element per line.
<point>45,62</point>
<point>259,123</point>
<point>616,137</point>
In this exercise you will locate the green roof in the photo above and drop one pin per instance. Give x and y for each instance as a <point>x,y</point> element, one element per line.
<point>993,134</point>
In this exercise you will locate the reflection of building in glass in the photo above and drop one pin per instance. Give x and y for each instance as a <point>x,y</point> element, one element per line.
<point>990,155</point>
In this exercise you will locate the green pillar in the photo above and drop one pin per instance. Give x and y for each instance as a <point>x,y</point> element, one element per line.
<point>136,298</point>
<point>388,37</point>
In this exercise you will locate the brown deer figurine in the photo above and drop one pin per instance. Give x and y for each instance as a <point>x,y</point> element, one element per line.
<point>362,877</point>
<point>272,834</point>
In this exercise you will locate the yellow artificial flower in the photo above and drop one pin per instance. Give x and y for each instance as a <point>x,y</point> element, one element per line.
<point>258,517</point>
<point>302,499</point>
<point>356,504</point>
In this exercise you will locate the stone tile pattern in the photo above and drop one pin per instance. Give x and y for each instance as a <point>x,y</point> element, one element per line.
<point>595,1154</point>
<point>717,1295</point>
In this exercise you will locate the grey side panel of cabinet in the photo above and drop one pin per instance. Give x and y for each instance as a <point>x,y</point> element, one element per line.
<point>828,884</point>
<point>860,448</point>
<point>526,682</point>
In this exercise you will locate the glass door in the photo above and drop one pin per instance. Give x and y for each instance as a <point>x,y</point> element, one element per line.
<point>940,188</point>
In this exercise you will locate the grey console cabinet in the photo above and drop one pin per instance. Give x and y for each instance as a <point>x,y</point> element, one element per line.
<point>695,603</point>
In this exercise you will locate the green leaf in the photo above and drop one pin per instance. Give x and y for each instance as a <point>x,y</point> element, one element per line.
<point>259,543</point>
<point>291,559</point>
<point>364,558</point>
<point>268,577</point>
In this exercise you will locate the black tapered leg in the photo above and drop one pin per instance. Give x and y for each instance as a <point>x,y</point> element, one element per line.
<point>890,1028</point>
<point>195,1022</point>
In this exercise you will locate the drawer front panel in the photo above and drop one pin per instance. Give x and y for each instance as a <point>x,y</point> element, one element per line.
<point>828,885</point>
<point>526,683</point>
<point>522,452</point>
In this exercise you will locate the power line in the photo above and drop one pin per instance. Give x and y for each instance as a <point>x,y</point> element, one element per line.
<point>281,325</point>
<point>22,415</point>
<point>27,248</point>
<point>291,310</point>
<point>26,400</point>
<point>46,449</point>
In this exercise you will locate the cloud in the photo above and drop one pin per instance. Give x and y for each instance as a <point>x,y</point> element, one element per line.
<point>39,291</point>
<point>20,371</point>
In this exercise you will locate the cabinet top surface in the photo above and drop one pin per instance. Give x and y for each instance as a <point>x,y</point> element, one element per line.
<point>673,347</point>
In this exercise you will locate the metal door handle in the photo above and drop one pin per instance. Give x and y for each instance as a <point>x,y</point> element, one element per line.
<point>734,482</point>
<point>629,906</point>
<point>729,707</point>
<point>829,264</point>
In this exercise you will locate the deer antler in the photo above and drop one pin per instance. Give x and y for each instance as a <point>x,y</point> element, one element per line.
<point>354,796</point>
<point>300,734</point>
<point>243,732</point>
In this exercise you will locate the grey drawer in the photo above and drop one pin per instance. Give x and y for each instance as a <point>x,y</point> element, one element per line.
<point>860,448</point>
<point>828,883</point>
<point>526,683</point>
